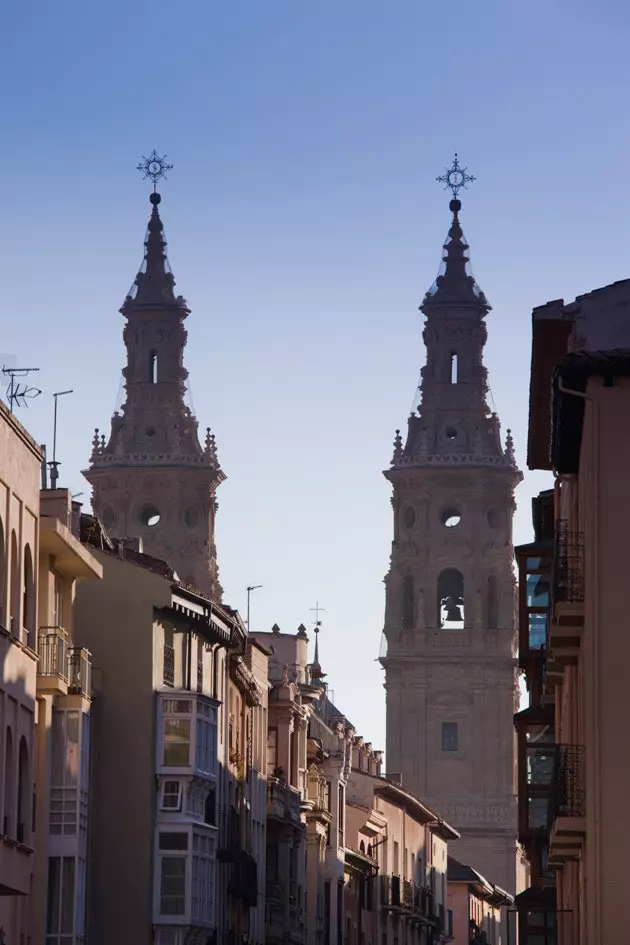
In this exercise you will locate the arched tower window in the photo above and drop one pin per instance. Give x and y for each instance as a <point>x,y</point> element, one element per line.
<point>9,785</point>
<point>153,367</point>
<point>408,603</point>
<point>492,603</point>
<point>3,577</point>
<point>450,594</point>
<point>15,586</point>
<point>452,376</point>
<point>24,791</point>
<point>28,597</point>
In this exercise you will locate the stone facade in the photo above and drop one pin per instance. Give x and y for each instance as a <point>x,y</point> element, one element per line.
<point>450,590</point>
<point>151,478</point>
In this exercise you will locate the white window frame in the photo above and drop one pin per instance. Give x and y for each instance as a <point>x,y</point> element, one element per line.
<point>179,795</point>
<point>201,715</point>
<point>182,918</point>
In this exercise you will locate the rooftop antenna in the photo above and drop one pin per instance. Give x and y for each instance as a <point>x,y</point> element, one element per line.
<point>252,587</point>
<point>18,394</point>
<point>54,465</point>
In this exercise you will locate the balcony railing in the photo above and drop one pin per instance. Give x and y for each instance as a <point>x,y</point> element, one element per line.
<point>568,796</point>
<point>568,565</point>
<point>52,650</point>
<point>397,893</point>
<point>80,671</point>
<point>283,801</point>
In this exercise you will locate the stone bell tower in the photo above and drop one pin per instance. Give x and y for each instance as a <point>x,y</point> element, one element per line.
<point>450,592</point>
<point>151,478</point>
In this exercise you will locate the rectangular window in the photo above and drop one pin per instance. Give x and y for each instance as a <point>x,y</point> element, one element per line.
<point>170,840</point>
<point>203,879</point>
<point>177,707</point>
<point>449,736</point>
<point>176,752</point>
<point>61,895</point>
<point>57,601</point>
<point>453,368</point>
<point>206,747</point>
<point>272,750</point>
<point>172,885</point>
<point>171,795</point>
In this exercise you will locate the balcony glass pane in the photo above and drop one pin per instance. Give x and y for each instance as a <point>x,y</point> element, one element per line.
<point>537,814</point>
<point>538,564</point>
<point>538,586</point>
<point>537,627</point>
<point>539,765</point>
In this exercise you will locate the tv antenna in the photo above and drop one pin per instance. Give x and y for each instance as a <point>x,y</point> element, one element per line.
<point>18,394</point>
<point>54,465</point>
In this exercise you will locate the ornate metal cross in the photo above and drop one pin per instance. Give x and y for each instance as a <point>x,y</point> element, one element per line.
<point>154,167</point>
<point>455,177</point>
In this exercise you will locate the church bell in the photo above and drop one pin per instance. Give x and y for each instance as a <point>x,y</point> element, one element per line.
<point>453,611</point>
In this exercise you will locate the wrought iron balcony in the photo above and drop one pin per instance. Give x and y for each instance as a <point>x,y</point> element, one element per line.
<point>52,650</point>
<point>80,671</point>
<point>398,894</point>
<point>568,565</point>
<point>568,793</point>
<point>567,808</point>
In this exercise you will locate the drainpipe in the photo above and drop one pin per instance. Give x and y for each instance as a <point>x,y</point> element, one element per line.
<point>593,658</point>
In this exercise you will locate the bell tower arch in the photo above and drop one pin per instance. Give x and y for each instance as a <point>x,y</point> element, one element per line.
<point>151,477</point>
<point>450,671</point>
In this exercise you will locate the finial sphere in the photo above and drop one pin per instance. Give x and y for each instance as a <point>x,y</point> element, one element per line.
<point>455,206</point>
<point>155,198</point>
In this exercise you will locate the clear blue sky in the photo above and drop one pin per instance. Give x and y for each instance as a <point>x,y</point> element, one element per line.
<point>304,226</point>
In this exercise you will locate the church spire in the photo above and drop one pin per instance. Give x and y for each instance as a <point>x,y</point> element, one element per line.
<point>154,283</point>
<point>453,424</point>
<point>455,284</point>
<point>152,479</point>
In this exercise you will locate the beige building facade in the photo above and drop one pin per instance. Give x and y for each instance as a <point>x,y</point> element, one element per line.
<point>45,703</point>
<point>579,399</point>
<point>450,673</point>
<point>475,904</point>
<point>160,735</point>
<point>20,476</point>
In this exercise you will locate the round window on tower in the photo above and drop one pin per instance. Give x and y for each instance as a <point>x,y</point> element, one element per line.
<point>150,516</point>
<point>450,433</point>
<point>191,516</point>
<point>409,516</point>
<point>451,518</point>
<point>108,516</point>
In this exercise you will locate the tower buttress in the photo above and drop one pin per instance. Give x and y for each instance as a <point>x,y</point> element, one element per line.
<point>450,673</point>
<point>151,477</point>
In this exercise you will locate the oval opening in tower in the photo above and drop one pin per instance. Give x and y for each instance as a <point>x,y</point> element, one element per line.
<point>451,433</point>
<point>150,516</point>
<point>451,518</point>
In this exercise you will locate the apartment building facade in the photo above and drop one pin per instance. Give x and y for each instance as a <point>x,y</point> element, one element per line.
<point>475,904</point>
<point>579,397</point>
<point>161,655</point>
<point>20,475</point>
